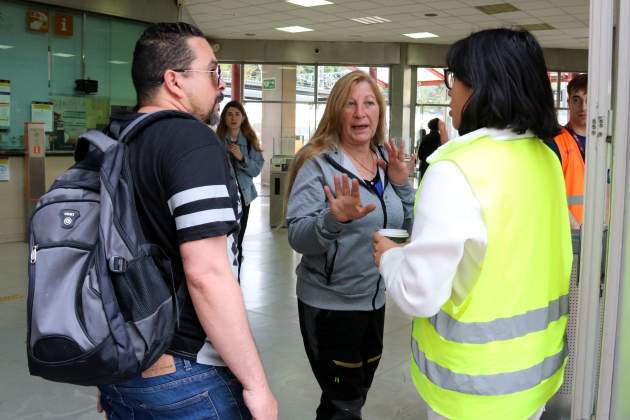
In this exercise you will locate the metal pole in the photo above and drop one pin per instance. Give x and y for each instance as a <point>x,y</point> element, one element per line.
<point>595,202</point>
<point>613,356</point>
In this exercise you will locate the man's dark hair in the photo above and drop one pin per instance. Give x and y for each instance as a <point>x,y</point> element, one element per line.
<point>508,76</point>
<point>433,124</point>
<point>161,46</point>
<point>579,82</point>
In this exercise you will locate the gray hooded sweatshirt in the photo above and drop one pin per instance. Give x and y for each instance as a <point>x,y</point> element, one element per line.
<point>337,270</point>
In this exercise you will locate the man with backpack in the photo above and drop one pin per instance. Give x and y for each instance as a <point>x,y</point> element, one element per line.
<point>188,205</point>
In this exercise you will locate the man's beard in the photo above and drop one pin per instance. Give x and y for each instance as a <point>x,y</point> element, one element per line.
<point>214,117</point>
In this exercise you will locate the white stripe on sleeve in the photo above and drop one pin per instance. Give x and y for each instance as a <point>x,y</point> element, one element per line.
<point>204,217</point>
<point>196,194</point>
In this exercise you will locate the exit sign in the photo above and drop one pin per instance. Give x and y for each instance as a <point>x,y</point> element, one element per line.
<point>269,84</point>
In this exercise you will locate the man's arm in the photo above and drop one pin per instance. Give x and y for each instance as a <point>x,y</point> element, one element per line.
<point>219,305</point>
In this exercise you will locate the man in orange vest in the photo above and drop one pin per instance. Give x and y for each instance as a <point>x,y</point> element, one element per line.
<point>570,144</point>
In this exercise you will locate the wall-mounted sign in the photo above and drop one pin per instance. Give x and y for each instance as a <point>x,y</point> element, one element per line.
<point>5,104</point>
<point>5,169</point>
<point>269,84</point>
<point>5,111</point>
<point>43,112</point>
<point>64,24</point>
<point>37,20</point>
<point>35,138</point>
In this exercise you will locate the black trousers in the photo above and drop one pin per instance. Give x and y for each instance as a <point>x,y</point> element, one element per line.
<point>344,349</point>
<point>241,235</point>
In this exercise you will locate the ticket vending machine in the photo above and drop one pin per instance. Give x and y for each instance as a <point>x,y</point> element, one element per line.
<point>284,150</point>
<point>279,178</point>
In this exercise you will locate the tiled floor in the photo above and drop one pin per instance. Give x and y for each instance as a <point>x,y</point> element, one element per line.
<point>268,283</point>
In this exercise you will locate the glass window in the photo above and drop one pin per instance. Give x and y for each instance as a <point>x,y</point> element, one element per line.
<point>252,82</point>
<point>431,88</point>
<point>305,120</point>
<point>43,67</point>
<point>328,76</point>
<point>553,80</point>
<point>284,105</point>
<point>66,60</point>
<point>254,114</point>
<point>305,84</point>
<point>226,76</point>
<point>431,101</point>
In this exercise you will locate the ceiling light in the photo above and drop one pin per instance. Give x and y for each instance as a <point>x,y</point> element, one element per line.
<point>118,62</point>
<point>371,20</point>
<point>418,35</point>
<point>64,55</point>
<point>494,9</point>
<point>310,3</point>
<point>294,29</point>
<point>6,47</point>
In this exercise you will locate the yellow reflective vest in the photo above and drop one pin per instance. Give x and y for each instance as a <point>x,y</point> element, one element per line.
<point>501,353</point>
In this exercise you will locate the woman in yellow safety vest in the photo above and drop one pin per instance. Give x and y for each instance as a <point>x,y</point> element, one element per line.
<point>486,272</point>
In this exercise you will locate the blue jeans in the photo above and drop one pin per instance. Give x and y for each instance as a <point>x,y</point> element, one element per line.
<point>194,391</point>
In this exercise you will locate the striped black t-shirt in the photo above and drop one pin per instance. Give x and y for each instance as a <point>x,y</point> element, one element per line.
<point>184,192</point>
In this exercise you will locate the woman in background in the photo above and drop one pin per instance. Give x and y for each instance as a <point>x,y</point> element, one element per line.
<point>246,156</point>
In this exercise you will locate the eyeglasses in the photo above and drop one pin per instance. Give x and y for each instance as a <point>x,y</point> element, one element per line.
<point>449,78</point>
<point>217,71</point>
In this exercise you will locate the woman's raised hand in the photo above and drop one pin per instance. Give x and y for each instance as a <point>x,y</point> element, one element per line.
<point>235,151</point>
<point>398,170</point>
<point>346,205</point>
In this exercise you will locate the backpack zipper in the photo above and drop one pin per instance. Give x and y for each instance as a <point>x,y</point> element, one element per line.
<point>67,244</point>
<point>33,254</point>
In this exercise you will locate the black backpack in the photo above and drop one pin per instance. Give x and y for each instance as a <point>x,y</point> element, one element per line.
<point>102,306</point>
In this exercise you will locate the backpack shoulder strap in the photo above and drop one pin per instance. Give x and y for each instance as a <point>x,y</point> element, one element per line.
<point>143,121</point>
<point>102,141</point>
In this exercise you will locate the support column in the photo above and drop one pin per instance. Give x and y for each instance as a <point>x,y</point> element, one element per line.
<point>401,123</point>
<point>278,117</point>
<point>236,82</point>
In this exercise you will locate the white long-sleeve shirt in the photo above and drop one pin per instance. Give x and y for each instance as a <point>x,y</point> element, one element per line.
<point>448,241</point>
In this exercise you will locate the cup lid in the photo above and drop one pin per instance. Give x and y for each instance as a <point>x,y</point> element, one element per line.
<point>394,233</point>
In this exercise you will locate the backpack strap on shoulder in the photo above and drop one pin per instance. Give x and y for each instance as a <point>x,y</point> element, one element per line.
<point>126,135</point>
<point>143,121</point>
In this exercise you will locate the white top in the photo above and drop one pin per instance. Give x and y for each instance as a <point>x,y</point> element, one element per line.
<point>447,243</point>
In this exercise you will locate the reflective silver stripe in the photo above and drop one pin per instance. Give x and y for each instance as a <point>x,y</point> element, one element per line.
<point>196,194</point>
<point>499,329</point>
<point>203,217</point>
<point>496,384</point>
<point>575,199</point>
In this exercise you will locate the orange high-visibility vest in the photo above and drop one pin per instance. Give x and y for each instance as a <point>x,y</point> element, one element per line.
<point>573,170</point>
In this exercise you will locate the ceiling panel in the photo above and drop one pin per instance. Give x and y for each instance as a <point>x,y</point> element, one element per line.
<point>455,19</point>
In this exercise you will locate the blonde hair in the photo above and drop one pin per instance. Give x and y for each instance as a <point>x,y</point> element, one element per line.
<point>327,134</point>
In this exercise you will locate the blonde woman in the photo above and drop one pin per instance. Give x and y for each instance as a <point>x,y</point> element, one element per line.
<point>345,185</point>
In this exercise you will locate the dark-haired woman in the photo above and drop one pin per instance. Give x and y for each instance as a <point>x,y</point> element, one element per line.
<point>246,155</point>
<point>486,273</point>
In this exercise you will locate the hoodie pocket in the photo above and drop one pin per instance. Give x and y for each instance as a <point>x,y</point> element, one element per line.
<point>329,261</point>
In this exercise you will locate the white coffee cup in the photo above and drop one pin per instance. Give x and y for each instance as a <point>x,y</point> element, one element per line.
<point>397,235</point>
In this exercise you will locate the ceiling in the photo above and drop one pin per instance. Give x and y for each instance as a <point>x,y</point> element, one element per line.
<point>257,19</point>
